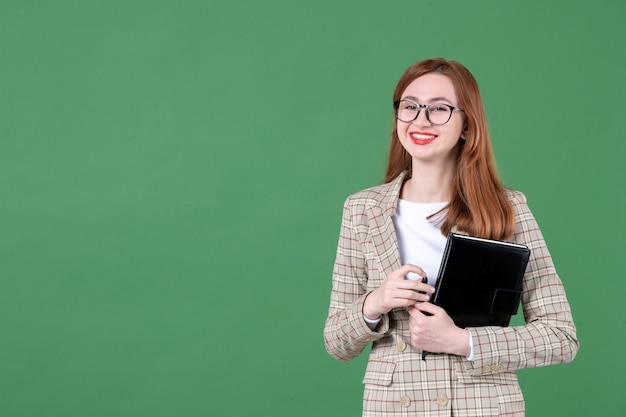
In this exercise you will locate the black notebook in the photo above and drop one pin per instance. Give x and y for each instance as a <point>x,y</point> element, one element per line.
<point>480,280</point>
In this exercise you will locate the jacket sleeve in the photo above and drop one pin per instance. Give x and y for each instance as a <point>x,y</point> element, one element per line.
<point>346,334</point>
<point>549,336</point>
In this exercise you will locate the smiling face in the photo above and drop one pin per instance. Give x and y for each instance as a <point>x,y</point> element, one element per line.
<point>423,140</point>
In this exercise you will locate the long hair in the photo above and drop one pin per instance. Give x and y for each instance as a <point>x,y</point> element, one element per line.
<point>478,204</point>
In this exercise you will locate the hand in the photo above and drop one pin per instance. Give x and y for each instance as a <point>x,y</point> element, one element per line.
<point>437,332</point>
<point>396,291</point>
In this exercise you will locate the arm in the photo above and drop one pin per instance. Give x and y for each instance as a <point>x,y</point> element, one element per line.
<point>346,333</point>
<point>549,337</point>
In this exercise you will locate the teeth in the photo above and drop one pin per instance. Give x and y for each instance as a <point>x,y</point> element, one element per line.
<point>422,137</point>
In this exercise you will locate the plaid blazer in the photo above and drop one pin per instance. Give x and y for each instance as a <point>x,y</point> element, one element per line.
<point>397,382</point>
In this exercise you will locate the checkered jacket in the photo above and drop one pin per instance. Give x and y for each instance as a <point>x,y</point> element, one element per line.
<point>397,382</point>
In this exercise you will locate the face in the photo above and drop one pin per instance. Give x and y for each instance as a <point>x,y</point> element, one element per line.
<point>423,140</point>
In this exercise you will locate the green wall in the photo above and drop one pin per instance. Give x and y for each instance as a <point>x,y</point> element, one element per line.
<point>173,172</point>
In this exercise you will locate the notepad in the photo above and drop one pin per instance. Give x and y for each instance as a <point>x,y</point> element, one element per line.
<point>480,280</point>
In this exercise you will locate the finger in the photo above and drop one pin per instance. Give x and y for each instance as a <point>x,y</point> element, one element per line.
<point>418,287</point>
<point>400,273</point>
<point>419,310</point>
<point>417,274</point>
<point>413,269</point>
<point>405,298</point>
<point>414,312</point>
<point>412,276</point>
<point>423,292</point>
<point>426,307</point>
<point>425,288</point>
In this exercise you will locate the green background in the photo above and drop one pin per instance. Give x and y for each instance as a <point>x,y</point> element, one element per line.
<point>172,175</point>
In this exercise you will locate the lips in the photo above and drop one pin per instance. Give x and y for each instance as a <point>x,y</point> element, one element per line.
<point>421,138</point>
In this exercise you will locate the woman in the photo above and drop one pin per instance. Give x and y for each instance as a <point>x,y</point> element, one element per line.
<point>441,178</point>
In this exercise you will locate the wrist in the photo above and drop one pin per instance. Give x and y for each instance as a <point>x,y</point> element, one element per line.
<point>369,312</point>
<point>370,315</point>
<point>464,347</point>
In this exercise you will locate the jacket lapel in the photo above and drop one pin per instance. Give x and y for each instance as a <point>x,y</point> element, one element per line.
<point>382,229</point>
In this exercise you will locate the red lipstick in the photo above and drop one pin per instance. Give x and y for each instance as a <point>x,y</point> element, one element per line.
<point>421,138</point>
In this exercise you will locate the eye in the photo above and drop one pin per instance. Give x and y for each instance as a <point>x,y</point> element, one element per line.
<point>439,108</point>
<point>407,105</point>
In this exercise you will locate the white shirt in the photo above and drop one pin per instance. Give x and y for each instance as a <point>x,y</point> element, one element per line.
<point>419,239</point>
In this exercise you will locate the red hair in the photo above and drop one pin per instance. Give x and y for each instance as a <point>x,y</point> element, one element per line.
<point>478,204</point>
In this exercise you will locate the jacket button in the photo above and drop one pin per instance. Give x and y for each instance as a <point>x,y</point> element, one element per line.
<point>405,401</point>
<point>401,346</point>
<point>442,399</point>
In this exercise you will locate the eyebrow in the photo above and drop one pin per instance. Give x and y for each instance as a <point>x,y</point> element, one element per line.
<point>432,100</point>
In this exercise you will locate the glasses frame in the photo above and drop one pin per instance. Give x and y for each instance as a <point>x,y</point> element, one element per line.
<point>396,104</point>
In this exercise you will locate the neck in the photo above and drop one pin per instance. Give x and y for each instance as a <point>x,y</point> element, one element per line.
<point>428,184</point>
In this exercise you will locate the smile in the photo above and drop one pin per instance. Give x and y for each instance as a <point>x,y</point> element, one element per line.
<point>421,138</point>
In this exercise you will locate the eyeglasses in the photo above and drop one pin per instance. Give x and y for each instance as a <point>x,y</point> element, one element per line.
<point>436,113</point>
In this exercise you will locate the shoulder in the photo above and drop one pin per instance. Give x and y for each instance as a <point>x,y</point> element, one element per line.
<point>375,194</point>
<point>516,198</point>
<point>524,219</point>
<point>384,196</point>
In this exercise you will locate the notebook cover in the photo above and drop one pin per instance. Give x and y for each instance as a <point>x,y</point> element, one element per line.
<point>480,280</point>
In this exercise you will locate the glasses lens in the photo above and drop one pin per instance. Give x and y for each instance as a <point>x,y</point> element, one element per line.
<point>407,111</point>
<point>438,113</point>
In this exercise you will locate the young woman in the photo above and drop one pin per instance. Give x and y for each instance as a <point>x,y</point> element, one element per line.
<point>440,178</point>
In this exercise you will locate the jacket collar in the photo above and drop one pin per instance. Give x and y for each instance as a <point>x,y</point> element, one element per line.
<point>391,194</point>
<point>382,229</point>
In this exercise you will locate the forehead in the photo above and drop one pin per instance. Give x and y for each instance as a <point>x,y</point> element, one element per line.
<point>431,87</point>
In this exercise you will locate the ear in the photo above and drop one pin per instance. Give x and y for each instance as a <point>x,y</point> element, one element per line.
<point>464,133</point>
